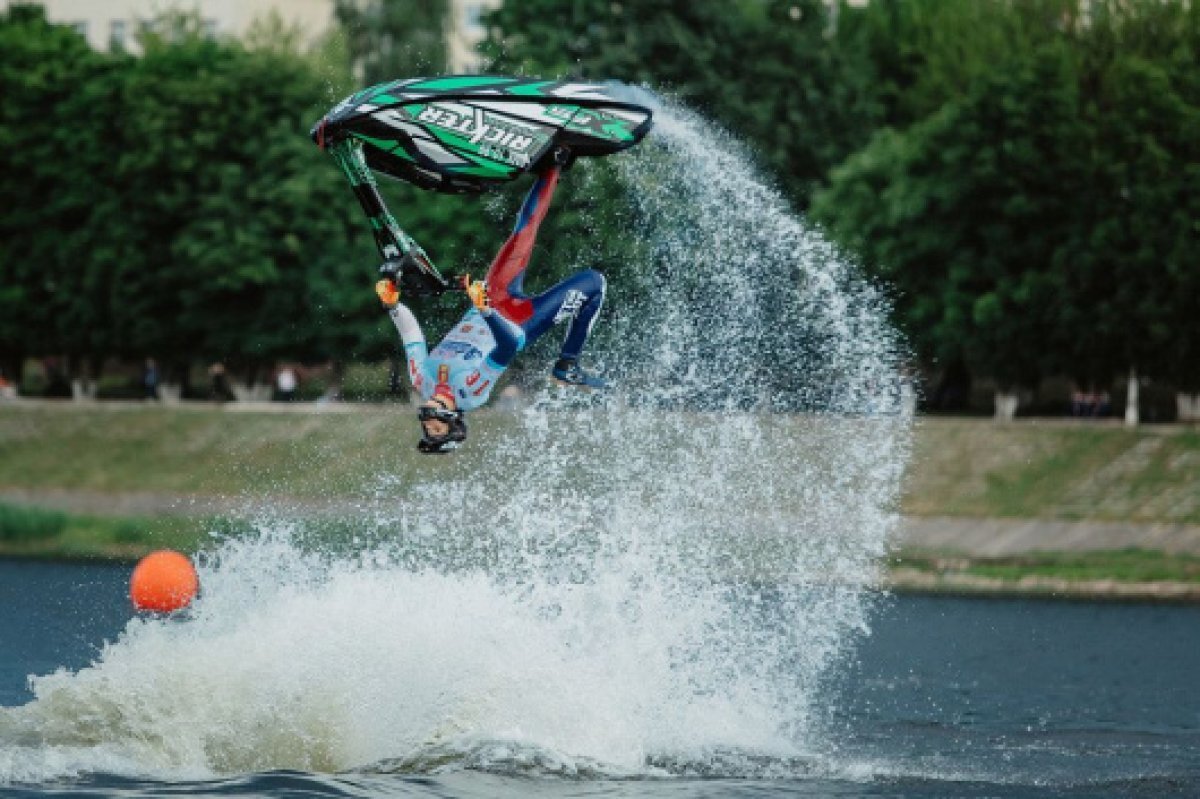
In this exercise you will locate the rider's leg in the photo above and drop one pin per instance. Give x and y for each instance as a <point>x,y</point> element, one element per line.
<point>507,272</point>
<point>576,300</point>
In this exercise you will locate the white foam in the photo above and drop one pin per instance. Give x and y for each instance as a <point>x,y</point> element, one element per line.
<point>666,578</point>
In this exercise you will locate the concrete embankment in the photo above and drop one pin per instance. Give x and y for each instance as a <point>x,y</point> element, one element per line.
<point>993,538</point>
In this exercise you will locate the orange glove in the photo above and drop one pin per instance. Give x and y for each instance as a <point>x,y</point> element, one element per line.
<point>477,291</point>
<point>388,293</point>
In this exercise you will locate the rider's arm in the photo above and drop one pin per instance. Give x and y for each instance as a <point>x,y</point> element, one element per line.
<point>415,350</point>
<point>510,339</point>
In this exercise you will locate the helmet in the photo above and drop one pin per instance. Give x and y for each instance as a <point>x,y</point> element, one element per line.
<point>452,438</point>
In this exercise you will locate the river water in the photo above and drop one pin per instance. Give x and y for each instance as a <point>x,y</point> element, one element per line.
<point>946,697</point>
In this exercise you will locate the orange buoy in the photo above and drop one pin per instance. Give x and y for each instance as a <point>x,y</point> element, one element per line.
<point>164,581</point>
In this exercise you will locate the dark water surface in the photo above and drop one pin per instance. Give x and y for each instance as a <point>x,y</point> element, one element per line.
<point>948,697</point>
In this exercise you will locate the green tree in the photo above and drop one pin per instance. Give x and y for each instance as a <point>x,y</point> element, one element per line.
<point>56,123</point>
<point>1038,220</point>
<point>964,212</point>
<point>173,205</point>
<point>1134,268</point>
<point>921,54</point>
<point>233,230</point>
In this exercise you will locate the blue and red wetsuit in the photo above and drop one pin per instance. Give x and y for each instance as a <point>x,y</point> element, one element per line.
<point>473,355</point>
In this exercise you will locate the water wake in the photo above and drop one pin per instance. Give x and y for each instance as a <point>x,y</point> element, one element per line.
<point>654,582</point>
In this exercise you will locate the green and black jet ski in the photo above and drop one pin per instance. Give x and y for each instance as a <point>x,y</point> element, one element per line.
<point>464,134</point>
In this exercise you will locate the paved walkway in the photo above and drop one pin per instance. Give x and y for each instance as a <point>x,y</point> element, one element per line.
<point>126,503</point>
<point>1001,537</point>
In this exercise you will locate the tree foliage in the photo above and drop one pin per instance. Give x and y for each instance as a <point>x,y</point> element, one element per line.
<point>54,121</point>
<point>1024,174</point>
<point>172,204</point>
<point>959,213</point>
<point>1033,215</point>
<point>389,39</point>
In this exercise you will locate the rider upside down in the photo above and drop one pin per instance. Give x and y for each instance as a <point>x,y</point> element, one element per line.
<point>463,369</point>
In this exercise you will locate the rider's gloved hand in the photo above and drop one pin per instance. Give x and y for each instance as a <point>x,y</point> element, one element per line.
<point>477,291</point>
<point>388,293</point>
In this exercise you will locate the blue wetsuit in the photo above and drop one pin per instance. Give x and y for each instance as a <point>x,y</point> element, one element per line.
<point>470,359</point>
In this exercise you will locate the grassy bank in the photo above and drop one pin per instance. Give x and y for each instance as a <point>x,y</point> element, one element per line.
<point>41,532</point>
<point>969,468</point>
<point>1133,565</point>
<point>1054,470</point>
<point>1125,574</point>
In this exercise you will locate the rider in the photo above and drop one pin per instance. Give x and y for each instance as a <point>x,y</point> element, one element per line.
<point>462,370</point>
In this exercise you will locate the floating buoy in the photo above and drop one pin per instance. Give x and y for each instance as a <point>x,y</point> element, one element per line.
<point>163,581</point>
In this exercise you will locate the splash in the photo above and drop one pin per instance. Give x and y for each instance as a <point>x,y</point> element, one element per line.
<point>659,580</point>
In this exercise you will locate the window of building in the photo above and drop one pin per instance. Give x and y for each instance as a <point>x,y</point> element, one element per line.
<point>117,30</point>
<point>80,28</point>
<point>210,28</point>
<point>473,17</point>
